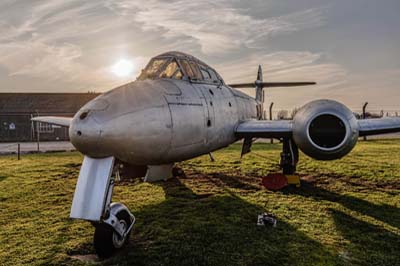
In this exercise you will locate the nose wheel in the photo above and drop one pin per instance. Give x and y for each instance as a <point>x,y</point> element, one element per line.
<point>113,222</point>
<point>113,233</point>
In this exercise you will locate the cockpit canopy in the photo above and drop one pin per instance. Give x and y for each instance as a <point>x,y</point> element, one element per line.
<point>176,65</point>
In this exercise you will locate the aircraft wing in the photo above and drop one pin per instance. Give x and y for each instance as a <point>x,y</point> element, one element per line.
<point>283,128</point>
<point>264,129</point>
<point>55,120</point>
<point>379,126</point>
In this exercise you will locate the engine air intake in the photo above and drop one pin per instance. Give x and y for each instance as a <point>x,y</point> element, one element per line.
<point>327,131</point>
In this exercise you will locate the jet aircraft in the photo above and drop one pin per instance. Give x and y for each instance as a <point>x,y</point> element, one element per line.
<point>180,108</point>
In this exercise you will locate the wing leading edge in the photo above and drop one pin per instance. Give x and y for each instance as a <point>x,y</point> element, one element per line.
<point>54,120</point>
<point>264,129</point>
<point>283,128</point>
<point>378,126</point>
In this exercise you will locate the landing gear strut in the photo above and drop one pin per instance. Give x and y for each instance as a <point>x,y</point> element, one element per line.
<point>115,226</point>
<point>113,222</point>
<point>289,157</point>
<point>113,233</point>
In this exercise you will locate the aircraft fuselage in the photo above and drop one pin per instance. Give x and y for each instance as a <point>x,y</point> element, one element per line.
<point>160,121</point>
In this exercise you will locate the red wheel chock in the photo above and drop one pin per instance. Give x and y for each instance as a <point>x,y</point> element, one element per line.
<point>279,181</point>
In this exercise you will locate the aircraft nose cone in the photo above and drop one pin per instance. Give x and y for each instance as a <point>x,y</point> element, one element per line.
<point>85,134</point>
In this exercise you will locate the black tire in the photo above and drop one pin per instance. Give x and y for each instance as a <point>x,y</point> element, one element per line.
<point>103,237</point>
<point>177,172</point>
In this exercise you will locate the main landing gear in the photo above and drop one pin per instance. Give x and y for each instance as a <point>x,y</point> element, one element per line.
<point>288,163</point>
<point>289,156</point>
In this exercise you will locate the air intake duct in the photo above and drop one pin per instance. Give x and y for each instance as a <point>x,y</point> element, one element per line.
<point>325,130</point>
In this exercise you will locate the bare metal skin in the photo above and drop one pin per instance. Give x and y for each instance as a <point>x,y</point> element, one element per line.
<point>160,121</point>
<point>180,108</point>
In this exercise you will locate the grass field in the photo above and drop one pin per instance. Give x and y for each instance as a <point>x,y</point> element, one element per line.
<point>346,212</point>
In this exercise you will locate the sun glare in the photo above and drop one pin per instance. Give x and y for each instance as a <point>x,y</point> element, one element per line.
<point>123,68</point>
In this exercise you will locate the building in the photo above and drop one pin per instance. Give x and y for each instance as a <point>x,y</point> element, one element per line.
<point>17,109</point>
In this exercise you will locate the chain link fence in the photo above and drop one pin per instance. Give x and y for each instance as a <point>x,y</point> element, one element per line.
<point>35,147</point>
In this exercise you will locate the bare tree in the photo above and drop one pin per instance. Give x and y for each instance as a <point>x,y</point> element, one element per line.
<point>294,112</point>
<point>283,115</point>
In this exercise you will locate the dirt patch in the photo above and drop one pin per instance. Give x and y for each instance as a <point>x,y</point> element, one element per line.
<point>70,173</point>
<point>86,258</point>
<point>233,180</point>
<point>356,182</point>
<point>73,165</point>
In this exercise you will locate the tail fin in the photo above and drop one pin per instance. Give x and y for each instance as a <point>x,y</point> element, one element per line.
<point>259,93</point>
<point>259,85</point>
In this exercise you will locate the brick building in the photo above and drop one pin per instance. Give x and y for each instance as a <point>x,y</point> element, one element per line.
<point>17,109</point>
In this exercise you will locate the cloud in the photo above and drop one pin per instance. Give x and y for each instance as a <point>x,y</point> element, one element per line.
<point>46,44</point>
<point>287,66</point>
<point>56,64</point>
<point>52,40</point>
<point>70,45</point>
<point>334,81</point>
<point>284,66</point>
<point>216,26</point>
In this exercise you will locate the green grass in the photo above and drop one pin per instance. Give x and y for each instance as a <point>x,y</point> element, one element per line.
<point>345,213</point>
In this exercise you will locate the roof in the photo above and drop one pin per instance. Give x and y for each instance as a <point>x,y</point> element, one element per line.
<point>43,103</point>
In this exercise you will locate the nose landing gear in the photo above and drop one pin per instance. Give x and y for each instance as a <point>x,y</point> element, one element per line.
<point>113,222</point>
<point>115,226</point>
<point>113,233</point>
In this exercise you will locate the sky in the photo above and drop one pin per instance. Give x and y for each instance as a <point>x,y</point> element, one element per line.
<point>350,48</point>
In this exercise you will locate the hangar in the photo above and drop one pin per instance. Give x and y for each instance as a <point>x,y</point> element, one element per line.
<point>17,109</point>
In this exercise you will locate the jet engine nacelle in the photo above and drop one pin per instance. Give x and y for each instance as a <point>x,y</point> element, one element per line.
<point>325,130</point>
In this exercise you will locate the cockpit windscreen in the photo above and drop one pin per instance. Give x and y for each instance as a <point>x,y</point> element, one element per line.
<point>161,68</point>
<point>172,68</point>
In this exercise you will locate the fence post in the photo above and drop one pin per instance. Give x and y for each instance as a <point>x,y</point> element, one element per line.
<point>364,114</point>
<point>38,136</point>
<point>19,151</point>
<point>270,116</point>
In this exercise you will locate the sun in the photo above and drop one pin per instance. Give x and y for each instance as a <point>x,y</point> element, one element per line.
<point>123,68</point>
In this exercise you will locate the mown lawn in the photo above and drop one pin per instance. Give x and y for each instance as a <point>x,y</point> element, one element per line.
<point>345,213</point>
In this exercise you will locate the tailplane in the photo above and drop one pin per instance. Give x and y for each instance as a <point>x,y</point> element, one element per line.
<point>259,85</point>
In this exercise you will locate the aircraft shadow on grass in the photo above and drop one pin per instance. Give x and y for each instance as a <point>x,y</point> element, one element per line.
<point>220,229</point>
<point>205,229</point>
<point>368,244</point>
<point>382,212</point>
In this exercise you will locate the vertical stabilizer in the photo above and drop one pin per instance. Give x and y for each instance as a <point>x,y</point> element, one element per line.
<point>260,74</point>
<point>260,93</point>
<point>258,83</point>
